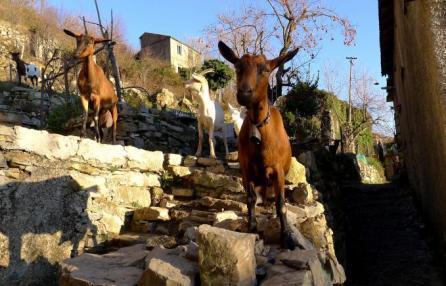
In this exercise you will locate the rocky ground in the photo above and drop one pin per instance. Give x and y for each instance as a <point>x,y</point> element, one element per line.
<point>101,214</point>
<point>387,243</point>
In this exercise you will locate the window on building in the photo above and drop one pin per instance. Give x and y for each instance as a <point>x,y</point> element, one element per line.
<point>179,50</point>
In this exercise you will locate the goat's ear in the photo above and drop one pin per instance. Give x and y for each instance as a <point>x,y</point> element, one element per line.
<point>99,40</point>
<point>71,34</point>
<point>227,53</point>
<point>274,63</point>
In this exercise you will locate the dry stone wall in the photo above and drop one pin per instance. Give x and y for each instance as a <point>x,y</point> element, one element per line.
<point>62,196</point>
<point>169,131</point>
<point>21,106</point>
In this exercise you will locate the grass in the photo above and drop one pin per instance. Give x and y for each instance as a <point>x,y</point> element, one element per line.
<point>61,114</point>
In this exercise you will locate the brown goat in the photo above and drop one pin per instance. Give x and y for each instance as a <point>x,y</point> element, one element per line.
<point>93,85</point>
<point>264,147</point>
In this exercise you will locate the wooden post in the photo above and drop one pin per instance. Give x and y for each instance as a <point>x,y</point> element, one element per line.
<point>111,54</point>
<point>65,76</point>
<point>42,92</point>
<point>10,72</point>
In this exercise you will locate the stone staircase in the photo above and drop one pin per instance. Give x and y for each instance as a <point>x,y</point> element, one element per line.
<point>148,218</point>
<point>203,191</point>
<point>386,226</point>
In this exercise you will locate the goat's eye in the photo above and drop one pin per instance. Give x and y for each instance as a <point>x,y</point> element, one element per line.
<point>261,69</point>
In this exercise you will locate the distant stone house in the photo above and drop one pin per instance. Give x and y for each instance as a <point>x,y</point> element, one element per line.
<point>169,49</point>
<point>413,57</point>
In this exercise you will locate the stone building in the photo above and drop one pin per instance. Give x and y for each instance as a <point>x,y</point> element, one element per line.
<point>413,57</point>
<point>167,48</point>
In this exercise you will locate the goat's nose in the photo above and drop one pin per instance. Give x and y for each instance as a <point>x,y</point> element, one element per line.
<point>245,91</point>
<point>244,96</point>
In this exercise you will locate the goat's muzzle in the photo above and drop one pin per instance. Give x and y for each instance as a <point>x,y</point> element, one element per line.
<point>244,97</point>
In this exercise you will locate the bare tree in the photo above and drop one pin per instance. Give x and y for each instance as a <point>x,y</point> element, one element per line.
<point>51,68</point>
<point>370,111</point>
<point>244,33</point>
<point>278,26</point>
<point>201,45</point>
<point>331,79</point>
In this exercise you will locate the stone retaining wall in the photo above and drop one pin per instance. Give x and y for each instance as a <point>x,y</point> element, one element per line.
<point>60,195</point>
<point>151,129</point>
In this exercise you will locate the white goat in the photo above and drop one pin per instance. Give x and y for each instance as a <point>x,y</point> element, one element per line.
<point>33,73</point>
<point>210,115</point>
<point>237,117</point>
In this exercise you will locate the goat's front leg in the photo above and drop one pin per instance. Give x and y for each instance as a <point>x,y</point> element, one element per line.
<point>200,139</point>
<point>97,109</point>
<point>98,136</point>
<point>252,200</point>
<point>84,102</point>
<point>286,239</point>
<point>211,142</point>
<point>115,121</point>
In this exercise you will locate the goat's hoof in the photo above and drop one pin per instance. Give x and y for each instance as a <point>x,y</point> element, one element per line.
<point>287,241</point>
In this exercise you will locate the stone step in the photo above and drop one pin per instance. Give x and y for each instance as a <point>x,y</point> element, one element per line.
<point>122,267</point>
<point>193,182</point>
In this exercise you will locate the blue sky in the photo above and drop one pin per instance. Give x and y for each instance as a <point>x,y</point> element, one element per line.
<point>182,20</point>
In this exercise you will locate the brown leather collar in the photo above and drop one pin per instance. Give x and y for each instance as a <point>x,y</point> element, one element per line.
<point>264,121</point>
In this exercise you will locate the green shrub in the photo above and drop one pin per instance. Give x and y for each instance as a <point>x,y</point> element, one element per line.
<point>310,127</point>
<point>290,122</point>
<point>221,76</point>
<point>376,164</point>
<point>304,107</point>
<point>305,99</point>
<point>59,115</point>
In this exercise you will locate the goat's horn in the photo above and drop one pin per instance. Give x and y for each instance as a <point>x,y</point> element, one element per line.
<point>206,71</point>
<point>85,25</point>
